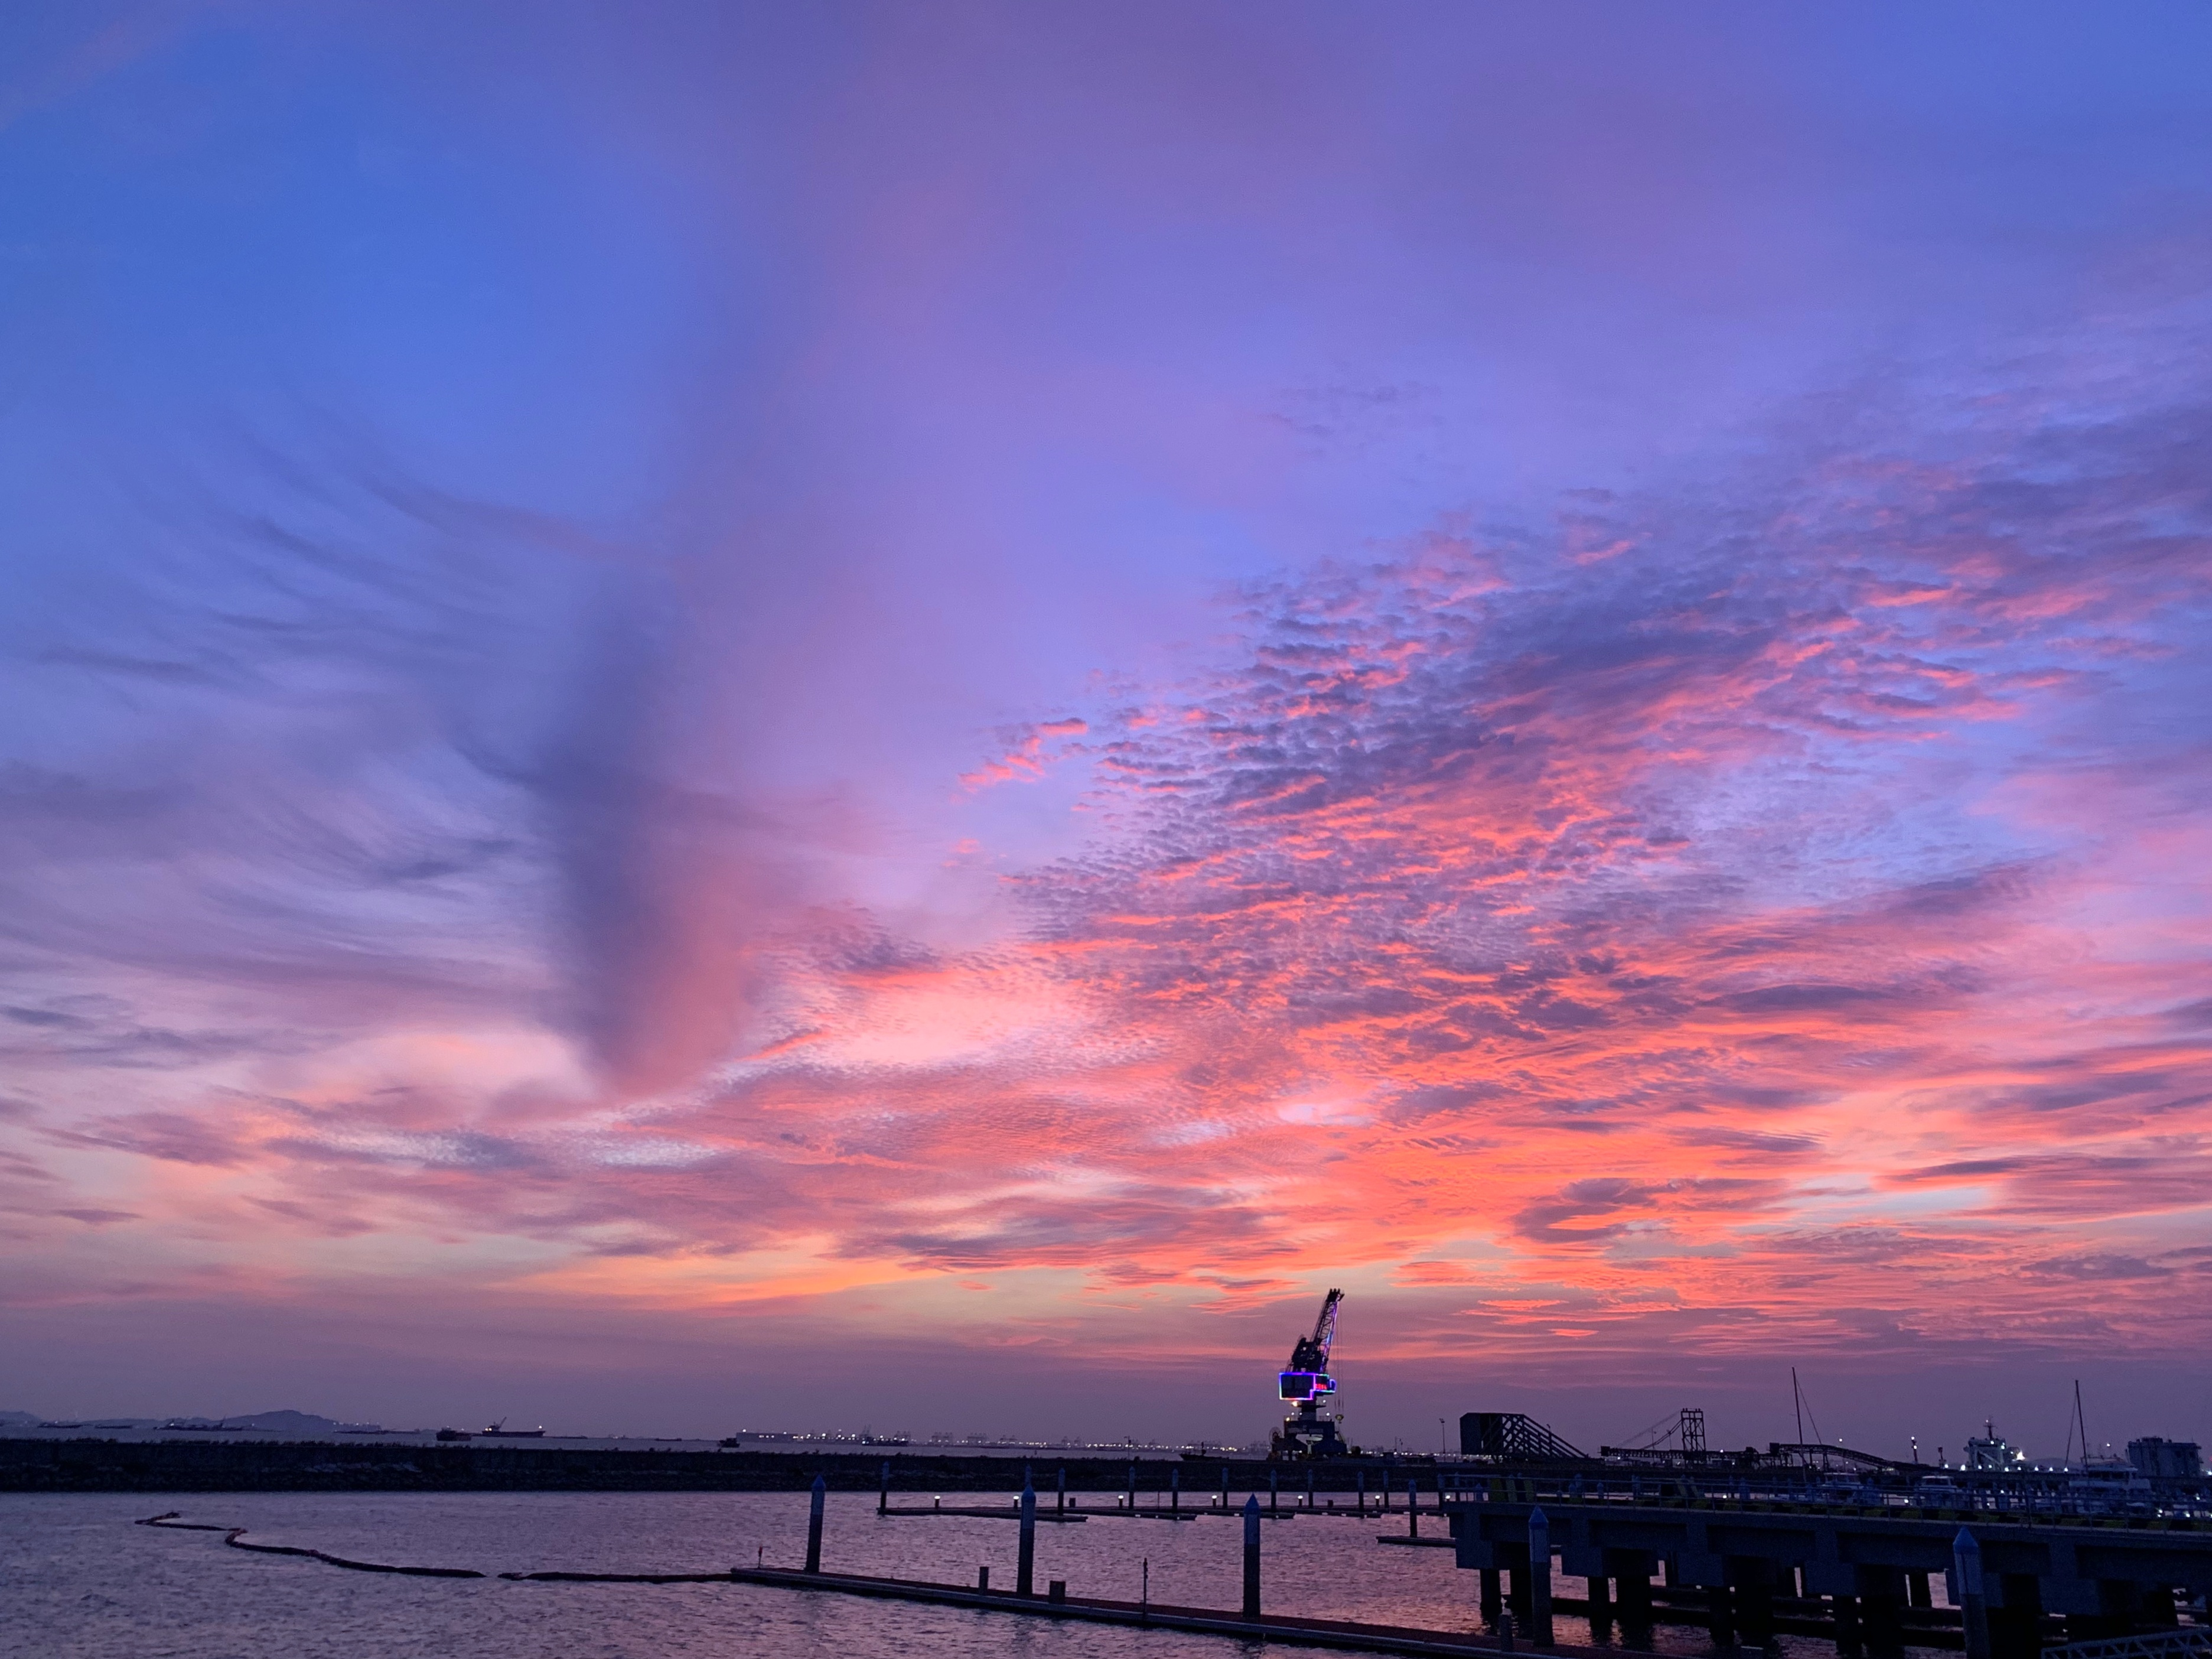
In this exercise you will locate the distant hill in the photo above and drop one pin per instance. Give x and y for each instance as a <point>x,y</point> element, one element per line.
<point>291,1423</point>
<point>280,1422</point>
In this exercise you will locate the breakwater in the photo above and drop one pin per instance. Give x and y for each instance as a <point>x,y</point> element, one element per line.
<point>1247,1626</point>
<point>92,1465</point>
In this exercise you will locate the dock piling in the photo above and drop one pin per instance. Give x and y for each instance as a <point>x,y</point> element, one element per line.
<point>1635,1599</point>
<point>1850,1641</point>
<point>883,1490</point>
<point>1540,1578</point>
<point>1026,1560</point>
<point>1063,1488</point>
<point>1412,1512</point>
<point>1973,1606</point>
<point>1174,1489</point>
<point>1720,1617</point>
<point>1252,1557</point>
<point>814,1525</point>
<point>1274,1493</point>
<point>1755,1603</point>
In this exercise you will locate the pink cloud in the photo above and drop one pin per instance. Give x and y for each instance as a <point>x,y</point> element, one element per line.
<point>1027,760</point>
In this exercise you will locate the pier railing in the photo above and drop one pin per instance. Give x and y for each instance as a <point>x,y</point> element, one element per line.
<point>2189,1640</point>
<point>1929,1500</point>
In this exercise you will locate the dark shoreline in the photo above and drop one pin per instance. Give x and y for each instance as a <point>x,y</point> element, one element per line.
<point>111,1466</point>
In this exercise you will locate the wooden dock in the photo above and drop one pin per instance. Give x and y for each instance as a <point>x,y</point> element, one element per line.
<point>1341,1634</point>
<point>980,1512</point>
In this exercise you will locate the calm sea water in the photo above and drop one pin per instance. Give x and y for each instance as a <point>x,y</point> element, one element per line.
<point>79,1581</point>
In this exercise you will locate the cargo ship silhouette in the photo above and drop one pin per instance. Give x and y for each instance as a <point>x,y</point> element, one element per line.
<point>498,1430</point>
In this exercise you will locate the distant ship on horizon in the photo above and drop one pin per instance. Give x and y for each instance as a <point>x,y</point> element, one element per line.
<point>497,1430</point>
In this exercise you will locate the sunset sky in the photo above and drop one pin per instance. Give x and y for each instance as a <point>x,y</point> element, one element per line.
<point>806,716</point>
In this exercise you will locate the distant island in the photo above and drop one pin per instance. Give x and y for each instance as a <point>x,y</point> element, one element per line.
<point>279,1422</point>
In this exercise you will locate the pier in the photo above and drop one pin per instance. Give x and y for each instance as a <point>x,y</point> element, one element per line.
<point>1860,1574</point>
<point>1746,1569</point>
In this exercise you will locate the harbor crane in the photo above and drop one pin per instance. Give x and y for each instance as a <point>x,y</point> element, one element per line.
<point>1310,1431</point>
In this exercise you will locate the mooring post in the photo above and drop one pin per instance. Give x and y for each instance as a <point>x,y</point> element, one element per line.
<point>1252,1556</point>
<point>1063,1489</point>
<point>1359,1492</point>
<point>1132,1488</point>
<point>1309,1478</point>
<point>1540,1578</point>
<point>884,1490</point>
<point>1174,1489</point>
<point>1412,1510</point>
<point>1973,1606</point>
<point>1274,1492</point>
<point>814,1526</point>
<point>1026,1562</point>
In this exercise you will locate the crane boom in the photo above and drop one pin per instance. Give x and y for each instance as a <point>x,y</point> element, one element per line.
<point>1311,1353</point>
<point>1310,1431</point>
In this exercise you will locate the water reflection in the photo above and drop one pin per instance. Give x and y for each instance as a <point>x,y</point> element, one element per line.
<point>84,1584</point>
